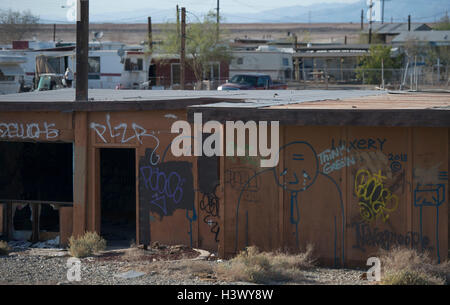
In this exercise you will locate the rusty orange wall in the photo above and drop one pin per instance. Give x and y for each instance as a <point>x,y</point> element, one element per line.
<point>330,201</point>
<point>36,126</point>
<point>174,216</point>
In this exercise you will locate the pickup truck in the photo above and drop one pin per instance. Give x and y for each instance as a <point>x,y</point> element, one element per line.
<point>252,81</point>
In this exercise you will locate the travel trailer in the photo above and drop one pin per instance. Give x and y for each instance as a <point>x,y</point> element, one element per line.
<point>110,68</point>
<point>265,59</point>
<point>11,73</point>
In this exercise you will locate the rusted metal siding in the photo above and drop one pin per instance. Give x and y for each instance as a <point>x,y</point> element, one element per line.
<point>167,193</point>
<point>36,127</point>
<point>349,191</point>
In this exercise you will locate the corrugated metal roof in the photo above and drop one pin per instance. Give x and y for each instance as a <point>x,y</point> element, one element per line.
<point>424,36</point>
<point>395,28</point>
<point>250,96</point>
<point>404,100</point>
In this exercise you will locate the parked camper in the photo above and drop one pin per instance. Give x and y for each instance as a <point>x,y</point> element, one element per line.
<point>11,74</point>
<point>265,59</point>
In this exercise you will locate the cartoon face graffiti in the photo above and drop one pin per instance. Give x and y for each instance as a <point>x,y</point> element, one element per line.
<point>301,167</point>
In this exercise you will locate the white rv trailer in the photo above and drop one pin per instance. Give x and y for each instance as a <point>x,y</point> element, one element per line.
<point>265,59</point>
<point>11,73</point>
<point>108,69</point>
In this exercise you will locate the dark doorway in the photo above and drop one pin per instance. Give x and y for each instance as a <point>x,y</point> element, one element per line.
<point>152,75</point>
<point>118,195</point>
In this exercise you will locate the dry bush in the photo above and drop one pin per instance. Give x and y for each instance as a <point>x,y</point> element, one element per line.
<point>251,265</point>
<point>86,245</point>
<point>405,266</point>
<point>4,248</point>
<point>410,277</point>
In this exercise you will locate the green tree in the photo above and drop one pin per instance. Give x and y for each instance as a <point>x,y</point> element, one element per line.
<point>369,67</point>
<point>16,25</point>
<point>202,46</point>
<point>443,24</point>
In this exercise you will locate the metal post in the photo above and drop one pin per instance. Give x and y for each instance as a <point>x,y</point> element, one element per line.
<point>362,19</point>
<point>150,35</point>
<point>370,22</point>
<point>218,21</point>
<point>82,51</point>
<point>183,45</point>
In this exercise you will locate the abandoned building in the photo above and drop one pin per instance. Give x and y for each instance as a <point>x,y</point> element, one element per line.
<point>358,171</point>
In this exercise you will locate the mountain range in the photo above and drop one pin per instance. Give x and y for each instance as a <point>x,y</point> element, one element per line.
<point>395,10</point>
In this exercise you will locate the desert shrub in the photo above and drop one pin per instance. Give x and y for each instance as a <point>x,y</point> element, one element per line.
<point>86,245</point>
<point>251,265</point>
<point>409,267</point>
<point>4,248</point>
<point>410,277</point>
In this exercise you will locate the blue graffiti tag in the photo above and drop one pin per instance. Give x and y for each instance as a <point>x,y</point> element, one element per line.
<point>165,186</point>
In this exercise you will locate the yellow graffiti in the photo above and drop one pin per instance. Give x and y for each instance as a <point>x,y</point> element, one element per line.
<point>375,200</point>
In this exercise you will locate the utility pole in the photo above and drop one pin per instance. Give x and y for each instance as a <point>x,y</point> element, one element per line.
<point>382,11</point>
<point>370,22</point>
<point>218,21</point>
<point>150,34</point>
<point>362,19</point>
<point>183,46</point>
<point>409,23</point>
<point>54,32</point>
<point>178,21</point>
<point>82,51</point>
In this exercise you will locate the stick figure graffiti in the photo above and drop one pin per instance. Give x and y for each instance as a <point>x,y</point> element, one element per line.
<point>429,195</point>
<point>301,173</point>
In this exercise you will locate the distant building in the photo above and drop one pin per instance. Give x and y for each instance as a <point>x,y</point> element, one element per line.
<point>433,38</point>
<point>338,62</point>
<point>164,72</point>
<point>386,32</point>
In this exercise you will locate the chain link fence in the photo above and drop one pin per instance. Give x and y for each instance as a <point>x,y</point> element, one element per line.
<point>408,78</point>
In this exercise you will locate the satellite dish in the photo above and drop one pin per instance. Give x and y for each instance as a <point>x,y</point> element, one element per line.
<point>98,35</point>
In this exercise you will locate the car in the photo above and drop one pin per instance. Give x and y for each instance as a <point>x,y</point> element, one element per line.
<point>252,81</point>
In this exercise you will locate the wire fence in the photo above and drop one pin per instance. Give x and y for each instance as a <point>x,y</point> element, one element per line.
<point>409,77</point>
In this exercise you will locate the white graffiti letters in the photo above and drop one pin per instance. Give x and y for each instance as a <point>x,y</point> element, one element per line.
<point>28,131</point>
<point>120,131</point>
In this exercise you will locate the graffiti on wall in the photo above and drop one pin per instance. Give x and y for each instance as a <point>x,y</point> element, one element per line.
<point>359,144</point>
<point>164,188</point>
<point>297,179</point>
<point>334,159</point>
<point>122,131</point>
<point>431,196</point>
<point>349,153</point>
<point>28,130</point>
<point>210,205</point>
<point>375,199</point>
<point>365,236</point>
<point>245,179</point>
<point>397,161</point>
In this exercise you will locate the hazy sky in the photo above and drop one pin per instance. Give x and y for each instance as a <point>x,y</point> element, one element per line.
<point>53,9</point>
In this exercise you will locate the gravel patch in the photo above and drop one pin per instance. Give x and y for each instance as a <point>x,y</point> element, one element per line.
<point>49,267</point>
